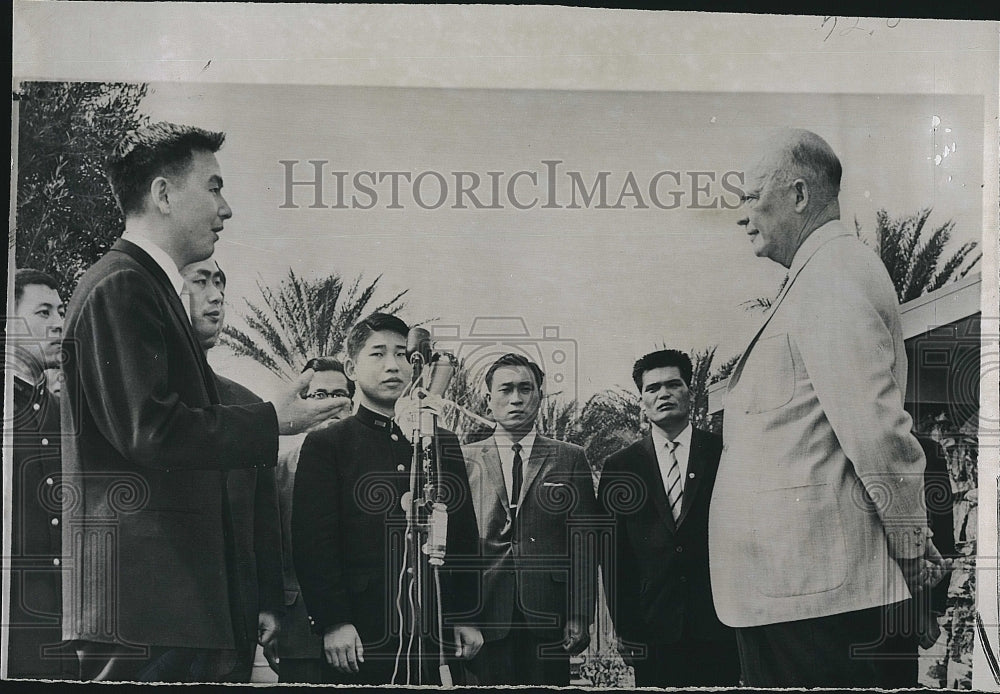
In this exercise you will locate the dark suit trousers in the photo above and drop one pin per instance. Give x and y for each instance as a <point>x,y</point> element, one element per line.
<point>108,662</point>
<point>523,656</point>
<point>833,651</point>
<point>689,663</point>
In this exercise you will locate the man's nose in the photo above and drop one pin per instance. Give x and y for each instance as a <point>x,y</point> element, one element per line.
<point>225,212</point>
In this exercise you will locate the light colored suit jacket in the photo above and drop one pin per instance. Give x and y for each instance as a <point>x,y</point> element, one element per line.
<point>820,484</point>
<point>529,557</point>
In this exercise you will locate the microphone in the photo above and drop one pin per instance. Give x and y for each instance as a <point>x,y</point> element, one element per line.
<point>441,370</point>
<point>418,350</point>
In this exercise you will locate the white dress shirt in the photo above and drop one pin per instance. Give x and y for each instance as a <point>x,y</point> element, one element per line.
<point>505,444</point>
<point>166,263</point>
<point>682,452</point>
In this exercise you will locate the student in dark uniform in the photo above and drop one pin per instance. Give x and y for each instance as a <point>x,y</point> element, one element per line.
<point>348,525</point>
<point>35,332</point>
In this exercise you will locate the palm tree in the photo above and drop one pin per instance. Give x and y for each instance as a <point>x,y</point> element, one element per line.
<point>913,266</point>
<point>702,379</point>
<point>465,390</point>
<point>302,319</point>
<point>557,418</point>
<point>609,421</point>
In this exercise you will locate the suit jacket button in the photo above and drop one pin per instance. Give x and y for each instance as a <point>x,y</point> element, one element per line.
<point>684,579</point>
<point>45,442</point>
<point>49,481</point>
<point>54,521</point>
<point>56,562</point>
<point>679,548</point>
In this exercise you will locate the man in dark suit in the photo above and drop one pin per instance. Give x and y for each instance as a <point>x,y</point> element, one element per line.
<point>534,500</point>
<point>146,590</point>
<point>253,543</point>
<point>658,492</point>
<point>34,333</point>
<point>348,529</point>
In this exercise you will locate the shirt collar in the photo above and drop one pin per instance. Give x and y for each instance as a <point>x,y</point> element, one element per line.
<point>504,439</point>
<point>821,235</point>
<point>161,258</point>
<point>660,439</point>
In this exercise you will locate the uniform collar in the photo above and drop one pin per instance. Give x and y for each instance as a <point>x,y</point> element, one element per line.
<point>374,420</point>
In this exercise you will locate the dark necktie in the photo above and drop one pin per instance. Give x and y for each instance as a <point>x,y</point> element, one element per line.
<point>518,476</point>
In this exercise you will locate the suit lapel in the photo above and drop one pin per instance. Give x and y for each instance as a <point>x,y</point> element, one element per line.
<point>735,377</point>
<point>695,471</point>
<point>650,469</point>
<point>490,458</point>
<point>541,451</point>
<point>176,308</point>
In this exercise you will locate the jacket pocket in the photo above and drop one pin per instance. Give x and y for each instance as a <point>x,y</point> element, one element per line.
<point>772,371</point>
<point>799,539</point>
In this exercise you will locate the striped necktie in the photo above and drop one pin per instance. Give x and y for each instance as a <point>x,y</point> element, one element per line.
<point>675,488</point>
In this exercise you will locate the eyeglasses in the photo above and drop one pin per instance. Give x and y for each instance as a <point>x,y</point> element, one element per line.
<point>324,394</point>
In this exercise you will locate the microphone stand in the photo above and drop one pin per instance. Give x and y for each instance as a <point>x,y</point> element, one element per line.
<point>426,524</point>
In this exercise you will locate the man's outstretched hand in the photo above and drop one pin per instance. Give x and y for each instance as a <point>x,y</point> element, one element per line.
<point>296,413</point>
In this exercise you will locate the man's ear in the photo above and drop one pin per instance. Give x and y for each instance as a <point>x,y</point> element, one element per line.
<point>350,370</point>
<point>158,192</point>
<point>489,397</point>
<point>801,189</point>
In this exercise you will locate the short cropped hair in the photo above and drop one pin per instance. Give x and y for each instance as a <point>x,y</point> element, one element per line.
<point>804,154</point>
<point>374,323</point>
<point>329,364</point>
<point>660,359</point>
<point>28,276</point>
<point>512,359</point>
<point>145,153</point>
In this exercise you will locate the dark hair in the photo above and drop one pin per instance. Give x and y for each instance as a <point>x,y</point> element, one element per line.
<point>28,276</point>
<point>512,359</point>
<point>144,154</point>
<point>660,359</point>
<point>374,323</point>
<point>329,364</point>
<point>222,274</point>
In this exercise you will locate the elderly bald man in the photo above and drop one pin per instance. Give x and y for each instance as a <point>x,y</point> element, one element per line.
<point>817,523</point>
